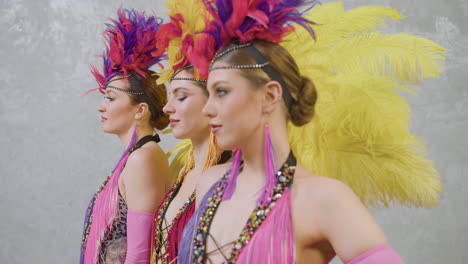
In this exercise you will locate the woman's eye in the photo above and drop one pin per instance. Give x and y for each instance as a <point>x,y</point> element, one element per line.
<point>109,98</point>
<point>221,92</point>
<point>182,98</point>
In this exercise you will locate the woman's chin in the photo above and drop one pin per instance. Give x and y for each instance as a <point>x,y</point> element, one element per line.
<point>107,130</point>
<point>178,134</point>
<point>226,144</point>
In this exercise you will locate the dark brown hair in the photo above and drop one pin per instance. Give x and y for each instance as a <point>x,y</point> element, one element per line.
<point>157,97</point>
<point>302,88</point>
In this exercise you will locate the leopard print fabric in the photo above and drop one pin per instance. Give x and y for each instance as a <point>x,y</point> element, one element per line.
<point>114,247</point>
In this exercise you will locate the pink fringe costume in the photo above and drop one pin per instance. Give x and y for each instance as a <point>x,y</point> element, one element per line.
<point>268,234</point>
<point>125,231</point>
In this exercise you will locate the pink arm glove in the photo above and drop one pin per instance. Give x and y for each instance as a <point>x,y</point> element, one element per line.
<point>138,237</point>
<point>379,255</point>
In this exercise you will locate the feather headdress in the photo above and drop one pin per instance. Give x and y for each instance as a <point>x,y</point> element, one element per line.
<point>131,46</point>
<point>245,20</point>
<point>179,35</point>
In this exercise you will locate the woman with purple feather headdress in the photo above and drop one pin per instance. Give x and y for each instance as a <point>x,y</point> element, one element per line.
<point>118,220</point>
<point>270,207</point>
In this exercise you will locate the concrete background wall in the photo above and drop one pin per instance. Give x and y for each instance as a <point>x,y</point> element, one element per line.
<point>53,155</point>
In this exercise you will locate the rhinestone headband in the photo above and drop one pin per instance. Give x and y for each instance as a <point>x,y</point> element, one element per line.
<point>251,66</point>
<point>139,92</point>
<point>185,78</point>
<point>123,90</point>
<point>224,52</point>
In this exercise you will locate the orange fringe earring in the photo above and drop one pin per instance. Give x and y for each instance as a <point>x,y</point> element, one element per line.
<point>212,157</point>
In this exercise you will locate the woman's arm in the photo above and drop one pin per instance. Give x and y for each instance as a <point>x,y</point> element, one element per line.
<point>345,222</point>
<point>145,177</point>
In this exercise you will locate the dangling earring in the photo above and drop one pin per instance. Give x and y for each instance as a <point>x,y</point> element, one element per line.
<point>269,153</point>
<point>189,165</point>
<point>233,173</point>
<point>213,154</point>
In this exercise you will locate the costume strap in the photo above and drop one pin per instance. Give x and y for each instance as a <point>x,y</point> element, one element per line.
<point>145,140</point>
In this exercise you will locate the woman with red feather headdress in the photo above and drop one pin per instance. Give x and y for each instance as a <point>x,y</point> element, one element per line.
<point>117,226</point>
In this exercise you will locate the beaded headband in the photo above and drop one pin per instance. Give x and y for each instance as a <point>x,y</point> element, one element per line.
<point>123,90</point>
<point>138,91</point>
<point>185,78</point>
<point>261,63</point>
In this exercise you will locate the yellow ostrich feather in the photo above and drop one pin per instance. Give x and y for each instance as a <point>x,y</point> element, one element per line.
<point>180,155</point>
<point>359,134</point>
<point>404,57</point>
<point>189,17</point>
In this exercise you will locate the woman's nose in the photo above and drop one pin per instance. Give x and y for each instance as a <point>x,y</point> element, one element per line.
<point>101,107</point>
<point>208,109</point>
<point>168,108</point>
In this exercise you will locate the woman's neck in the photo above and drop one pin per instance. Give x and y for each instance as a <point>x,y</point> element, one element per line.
<point>141,132</point>
<point>200,146</point>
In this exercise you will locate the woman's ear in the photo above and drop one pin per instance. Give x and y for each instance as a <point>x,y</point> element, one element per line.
<point>273,96</point>
<point>142,110</point>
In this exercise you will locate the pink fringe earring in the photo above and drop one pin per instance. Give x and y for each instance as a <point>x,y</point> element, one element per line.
<point>270,168</point>
<point>231,184</point>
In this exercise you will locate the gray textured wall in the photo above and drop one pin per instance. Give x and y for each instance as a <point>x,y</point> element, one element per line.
<point>53,156</point>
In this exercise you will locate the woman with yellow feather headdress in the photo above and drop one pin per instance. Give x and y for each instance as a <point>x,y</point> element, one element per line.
<point>324,107</point>
<point>186,97</point>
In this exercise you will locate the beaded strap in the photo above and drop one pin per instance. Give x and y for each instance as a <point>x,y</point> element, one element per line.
<point>199,245</point>
<point>159,241</point>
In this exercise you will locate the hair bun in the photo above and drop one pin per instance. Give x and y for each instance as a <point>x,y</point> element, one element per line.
<point>302,109</point>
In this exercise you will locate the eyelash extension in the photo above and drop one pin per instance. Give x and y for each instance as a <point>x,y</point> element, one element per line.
<point>182,98</point>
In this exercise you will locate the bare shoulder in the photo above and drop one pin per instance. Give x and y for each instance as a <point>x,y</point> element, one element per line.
<point>145,178</point>
<point>327,209</point>
<point>321,199</point>
<point>209,177</point>
<point>147,163</point>
<point>150,154</point>
<point>322,191</point>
